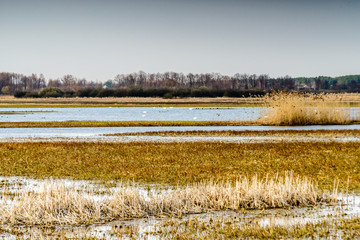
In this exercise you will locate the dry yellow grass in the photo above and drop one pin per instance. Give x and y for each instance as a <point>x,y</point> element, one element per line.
<point>58,205</point>
<point>306,109</point>
<point>279,133</point>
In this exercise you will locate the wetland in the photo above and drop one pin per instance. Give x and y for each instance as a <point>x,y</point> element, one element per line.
<point>183,170</point>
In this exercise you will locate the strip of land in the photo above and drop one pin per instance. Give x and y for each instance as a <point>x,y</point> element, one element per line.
<point>122,124</point>
<point>11,102</point>
<point>132,124</point>
<point>21,112</point>
<point>183,163</point>
<point>277,133</point>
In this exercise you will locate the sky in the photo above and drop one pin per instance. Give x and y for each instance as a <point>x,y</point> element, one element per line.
<point>98,39</point>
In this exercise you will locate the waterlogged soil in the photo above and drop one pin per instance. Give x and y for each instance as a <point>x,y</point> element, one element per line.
<point>348,207</point>
<point>98,190</point>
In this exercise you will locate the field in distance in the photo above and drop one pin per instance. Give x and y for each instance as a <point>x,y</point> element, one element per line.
<point>10,101</point>
<point>352,99</point>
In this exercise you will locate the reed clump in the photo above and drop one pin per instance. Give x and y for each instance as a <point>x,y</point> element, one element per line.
<point>59,205</point>
<point>293,108</point>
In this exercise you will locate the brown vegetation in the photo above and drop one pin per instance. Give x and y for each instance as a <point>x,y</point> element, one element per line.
<point>183,163</point>
<point>284,133</point>
<point>306,109</point>
<point>58,205</point>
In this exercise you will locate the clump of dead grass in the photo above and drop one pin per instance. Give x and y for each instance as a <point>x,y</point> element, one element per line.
<point>58,205</point>
<point>55,204</point>
<point>293,108</point>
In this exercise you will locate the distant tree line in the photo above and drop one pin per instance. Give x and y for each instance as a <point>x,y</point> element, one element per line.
<point>343,83</point>
<point>171,84</point>
<point>10,83</point>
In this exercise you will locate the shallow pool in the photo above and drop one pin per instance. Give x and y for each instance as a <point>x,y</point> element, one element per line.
<point>131,114</point>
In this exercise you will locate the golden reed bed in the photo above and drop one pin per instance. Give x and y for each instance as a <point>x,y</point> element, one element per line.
<point>295,108</point>
<point>58,205</point>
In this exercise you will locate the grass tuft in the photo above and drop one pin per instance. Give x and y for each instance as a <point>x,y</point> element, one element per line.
<point>58,205</point>
<point>293,108</point>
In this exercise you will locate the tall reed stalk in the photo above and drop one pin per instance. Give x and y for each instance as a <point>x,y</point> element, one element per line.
<point>58,205</point>
<point>283,108</point>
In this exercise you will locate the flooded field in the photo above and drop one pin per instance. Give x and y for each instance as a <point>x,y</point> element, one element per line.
<point>189,182</point>
<point>346,206</point>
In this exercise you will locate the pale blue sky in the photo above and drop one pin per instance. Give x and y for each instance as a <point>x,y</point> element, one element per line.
<point>99,39</point>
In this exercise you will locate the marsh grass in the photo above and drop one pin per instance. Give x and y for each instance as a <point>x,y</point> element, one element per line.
<point>293,108</point>
<point>182,163</point>
<point>59,205</point>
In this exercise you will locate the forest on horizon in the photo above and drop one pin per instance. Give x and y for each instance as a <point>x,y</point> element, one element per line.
<point>169,84</point>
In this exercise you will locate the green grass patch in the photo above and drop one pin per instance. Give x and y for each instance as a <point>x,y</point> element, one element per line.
<point>183,163</point>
